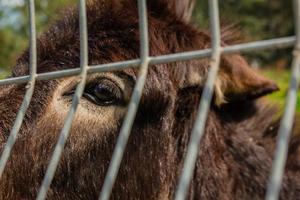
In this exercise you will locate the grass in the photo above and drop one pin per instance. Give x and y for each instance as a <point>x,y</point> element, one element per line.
<point>3,74</point>
<point>282,78</point>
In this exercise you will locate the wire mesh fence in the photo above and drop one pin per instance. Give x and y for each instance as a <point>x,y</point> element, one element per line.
<point>143,63</point>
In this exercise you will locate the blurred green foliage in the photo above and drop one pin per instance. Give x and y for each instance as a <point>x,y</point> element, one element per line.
<point>14,26</point>
<point>282,78</point>
<point>256,20</point>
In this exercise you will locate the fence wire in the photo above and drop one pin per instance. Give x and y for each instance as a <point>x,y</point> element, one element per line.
<point>198,130</point>
<point>133,105</point>
<point>286,125</point>
<point>143,63</point>
<point>29,92</point>
<point>76,98</point>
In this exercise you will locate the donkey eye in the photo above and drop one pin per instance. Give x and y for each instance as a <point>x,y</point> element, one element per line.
<point>103,93</point>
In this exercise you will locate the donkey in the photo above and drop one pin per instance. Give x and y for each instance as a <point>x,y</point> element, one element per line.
<point>235,155</point>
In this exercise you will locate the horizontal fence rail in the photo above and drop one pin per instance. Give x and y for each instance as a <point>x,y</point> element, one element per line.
<point>280,43</point>
<point>143,63</point>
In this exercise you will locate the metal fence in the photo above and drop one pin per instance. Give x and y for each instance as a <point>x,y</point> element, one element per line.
<point>143,63</point>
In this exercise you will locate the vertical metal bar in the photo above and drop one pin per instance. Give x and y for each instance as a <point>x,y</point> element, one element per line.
<point>133,105</point>
<point>287,121</point>
<point>29,92</point>
<point>198,130</point>
<point>79,91</point>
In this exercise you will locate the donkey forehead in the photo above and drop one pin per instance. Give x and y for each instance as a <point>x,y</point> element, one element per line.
<point>113,40</point>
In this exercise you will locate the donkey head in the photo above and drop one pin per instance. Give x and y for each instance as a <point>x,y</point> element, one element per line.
<point>154,155</point>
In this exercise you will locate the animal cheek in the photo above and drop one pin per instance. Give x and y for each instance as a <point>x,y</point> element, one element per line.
<point>104,120</point>
<point>152,109</point>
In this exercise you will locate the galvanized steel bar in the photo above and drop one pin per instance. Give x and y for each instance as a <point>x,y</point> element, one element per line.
<point>279,43</point>
<point>29,92</point>
<point>133,105</point>
<point>198,129</point>
<point>287,121</point>
<point>76,98</point>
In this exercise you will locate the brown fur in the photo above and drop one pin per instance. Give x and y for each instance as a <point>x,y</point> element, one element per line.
<point>235,155</point>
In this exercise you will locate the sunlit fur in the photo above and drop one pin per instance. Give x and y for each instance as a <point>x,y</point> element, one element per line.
<point>235,154</point>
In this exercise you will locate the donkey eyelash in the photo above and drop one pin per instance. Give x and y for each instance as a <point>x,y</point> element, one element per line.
<point>101,92</point>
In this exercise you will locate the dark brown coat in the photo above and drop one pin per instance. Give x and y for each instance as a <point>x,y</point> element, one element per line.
<point>235,155</point>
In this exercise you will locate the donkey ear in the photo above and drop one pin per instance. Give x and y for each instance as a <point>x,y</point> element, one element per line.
<point>238,82</point>
<point>184,9</point>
